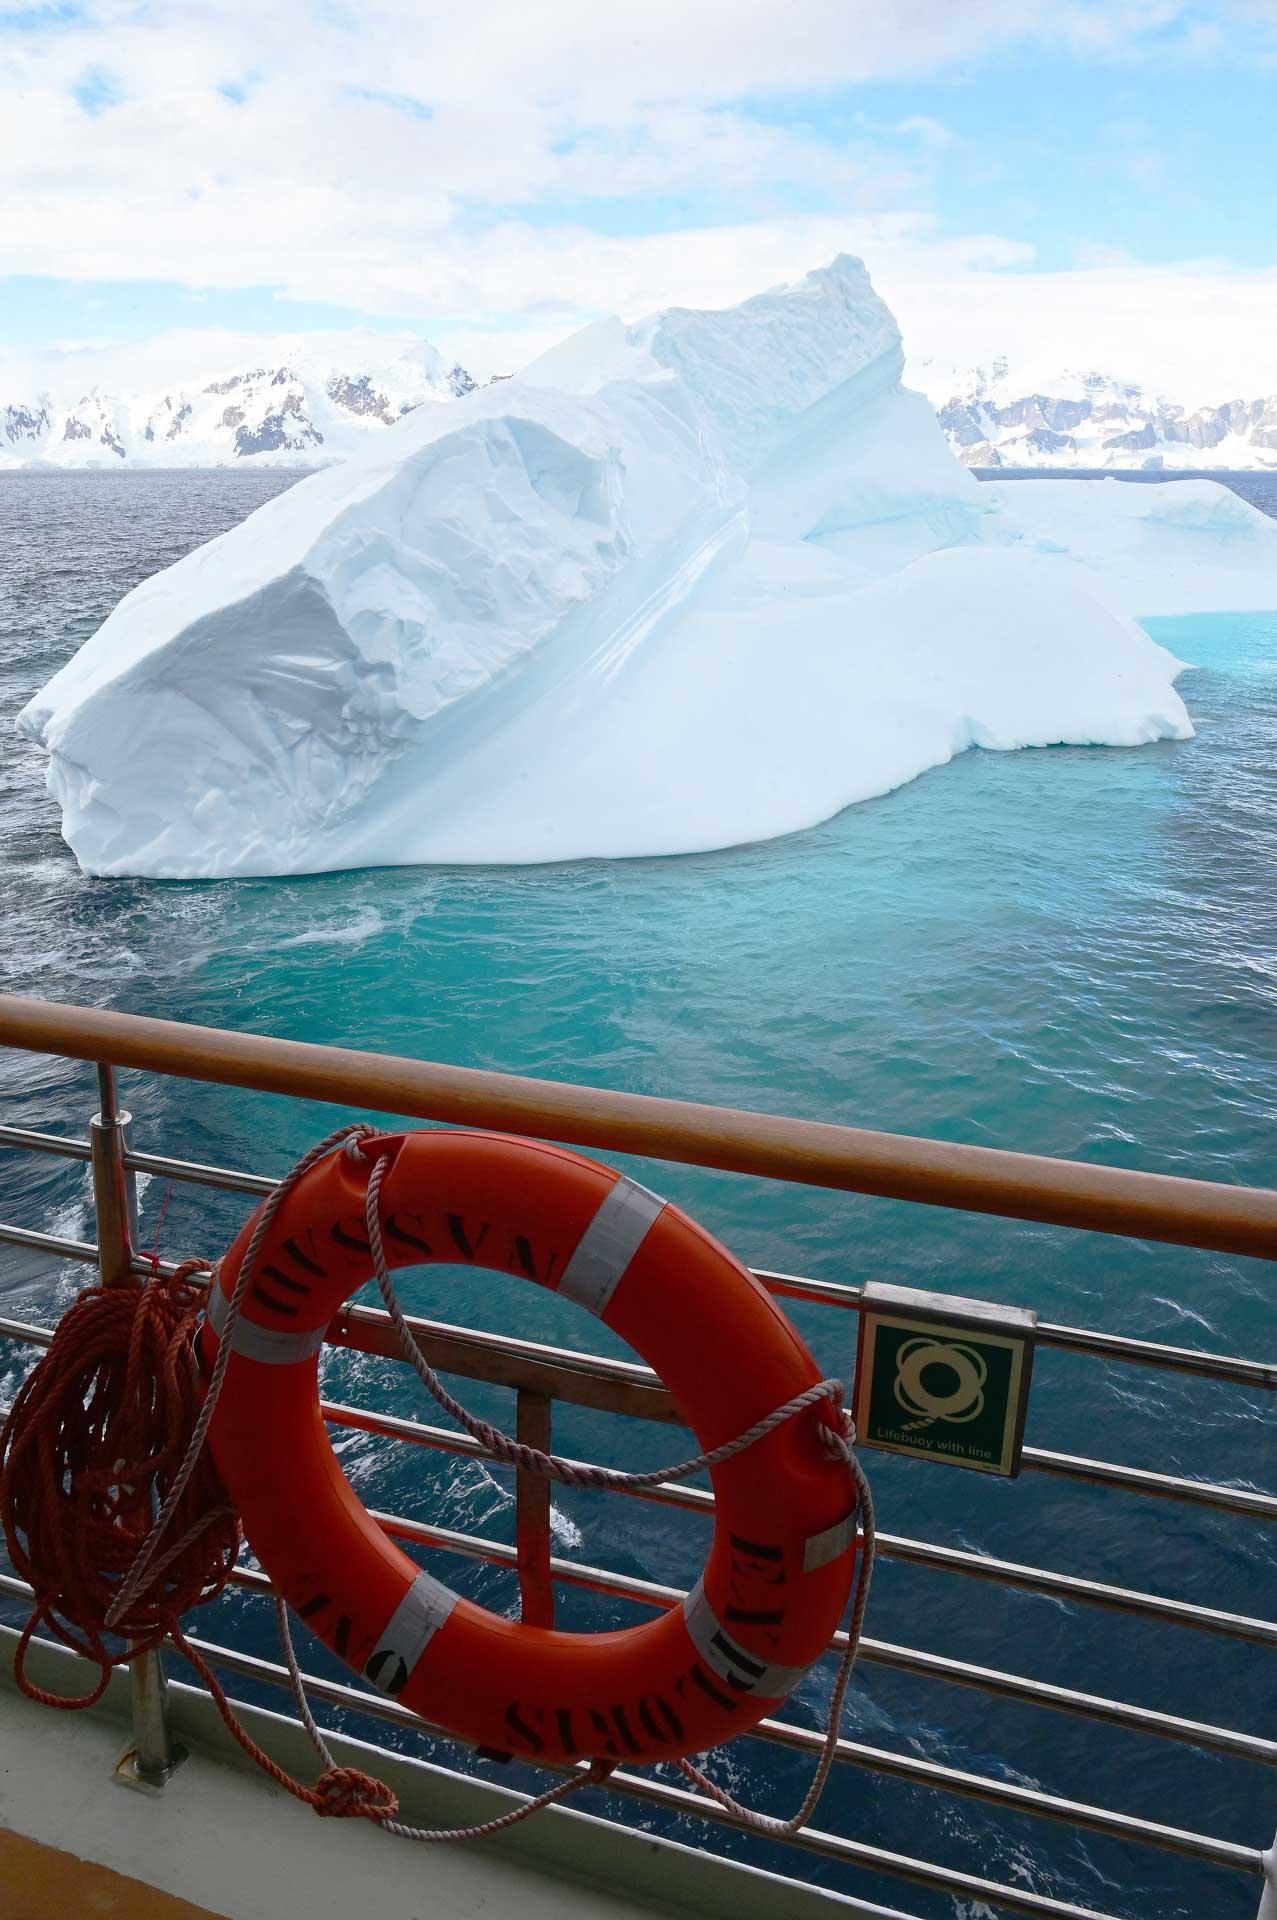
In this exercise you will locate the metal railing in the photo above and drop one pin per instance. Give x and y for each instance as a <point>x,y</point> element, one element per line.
<point>1020,1186</point>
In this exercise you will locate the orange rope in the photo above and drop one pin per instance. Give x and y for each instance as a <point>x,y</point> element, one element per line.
<point>338,1791</point>
<point>94,1438</point>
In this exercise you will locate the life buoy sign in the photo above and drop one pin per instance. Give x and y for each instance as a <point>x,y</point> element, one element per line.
<point>779,1568</point>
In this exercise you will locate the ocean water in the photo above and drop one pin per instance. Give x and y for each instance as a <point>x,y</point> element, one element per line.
<point>1072,952</point>
<point>1259,488</point>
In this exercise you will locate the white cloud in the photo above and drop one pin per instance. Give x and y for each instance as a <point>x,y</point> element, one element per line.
<point>310,179</point>
<point>931,133</point>
<point>316,183</point>
<point>1201,331</point>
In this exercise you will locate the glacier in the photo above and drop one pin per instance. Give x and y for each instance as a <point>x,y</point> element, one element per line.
<point>682,584</point>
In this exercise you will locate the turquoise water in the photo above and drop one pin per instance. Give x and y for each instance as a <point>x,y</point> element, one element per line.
<point>1072,952</point>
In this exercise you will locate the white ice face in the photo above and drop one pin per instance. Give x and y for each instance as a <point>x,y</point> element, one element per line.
<point>698,581</point>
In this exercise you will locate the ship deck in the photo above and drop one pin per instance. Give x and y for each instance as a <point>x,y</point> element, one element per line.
<point>78,1838</point>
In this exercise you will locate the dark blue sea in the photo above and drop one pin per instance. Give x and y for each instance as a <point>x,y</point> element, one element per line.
<point>1070,951</point>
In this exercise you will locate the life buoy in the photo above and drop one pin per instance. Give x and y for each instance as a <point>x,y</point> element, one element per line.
<point>780,1566</point>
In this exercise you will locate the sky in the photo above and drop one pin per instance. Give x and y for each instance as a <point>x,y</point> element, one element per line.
<point>1071,183</point>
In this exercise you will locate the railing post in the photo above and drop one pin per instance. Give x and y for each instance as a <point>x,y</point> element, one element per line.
<point>533,1422</point>
<point>114,1187</point>
<point>153,1756</point>
<point>1268,1898</point>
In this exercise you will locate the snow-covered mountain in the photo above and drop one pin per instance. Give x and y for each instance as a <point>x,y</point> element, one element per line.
<point>997,416</point>
<point>307,400</point>
<point>297,402</point>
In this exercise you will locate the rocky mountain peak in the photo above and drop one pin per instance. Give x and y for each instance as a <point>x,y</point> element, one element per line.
<point>993,417</point>
<point>309,402</point>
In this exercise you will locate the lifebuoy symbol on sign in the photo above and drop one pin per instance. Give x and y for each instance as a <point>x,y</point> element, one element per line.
<point>964,1364</point>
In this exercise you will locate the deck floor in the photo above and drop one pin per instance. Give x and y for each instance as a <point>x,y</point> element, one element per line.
<point>220,1841</point>
<point>41,1883</point>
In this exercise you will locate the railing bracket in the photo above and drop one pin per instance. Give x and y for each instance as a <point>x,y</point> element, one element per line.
<point>130,1772</point>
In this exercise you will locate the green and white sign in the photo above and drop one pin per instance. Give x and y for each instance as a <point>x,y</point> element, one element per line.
<point>943,1378</point>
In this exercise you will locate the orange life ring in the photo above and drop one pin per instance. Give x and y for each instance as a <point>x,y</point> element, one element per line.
<point>780,1567</point>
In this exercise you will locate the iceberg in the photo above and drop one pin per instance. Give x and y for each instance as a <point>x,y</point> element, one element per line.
<point>700,580</point>
<point>1179,546</point>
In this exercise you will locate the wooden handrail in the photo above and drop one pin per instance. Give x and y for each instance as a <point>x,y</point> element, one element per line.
<point>1020,1186</point>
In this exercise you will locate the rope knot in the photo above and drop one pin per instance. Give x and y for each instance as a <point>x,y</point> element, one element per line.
<point>344,1792</point>
<point>356,1140</point>
<point>838,1442</point>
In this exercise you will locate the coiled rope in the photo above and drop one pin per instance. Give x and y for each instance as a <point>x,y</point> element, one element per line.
<point>99,1431</point>
<point>101,1440</point>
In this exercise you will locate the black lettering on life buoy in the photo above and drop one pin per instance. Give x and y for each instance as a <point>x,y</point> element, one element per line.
<point>751,1560</point>
<point>279,1278</point>
<point>269,1300</point>
<point>309,1260</point>
<point>697,1676</point>
<point>754,1572</point>
<point>746,1671</point>
<point>522,1258</point>
<point>625,1728</point>
<point>395,1230</point>
<point>339,1636</point>
<point>622,1725</point>
<point>387,1670</point>
<point>357,1241</point>
<point>599,1722</point>
<point>657,1717</point>
<point>526,1735</point>
<point>466,1247</point>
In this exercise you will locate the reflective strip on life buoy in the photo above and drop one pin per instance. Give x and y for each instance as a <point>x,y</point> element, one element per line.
<point>780,1566</point>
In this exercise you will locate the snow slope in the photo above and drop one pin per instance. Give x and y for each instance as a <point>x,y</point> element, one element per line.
<point>297,402</point>
<point>700,580</point>
<point>1188,546</point>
